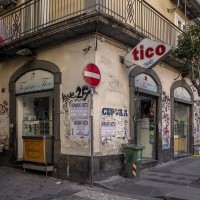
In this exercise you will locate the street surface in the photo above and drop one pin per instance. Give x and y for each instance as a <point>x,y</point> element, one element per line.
<point>17,185</point>
<point>175,180</point>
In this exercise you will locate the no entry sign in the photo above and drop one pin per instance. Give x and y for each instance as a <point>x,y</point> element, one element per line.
<point>91,75</point>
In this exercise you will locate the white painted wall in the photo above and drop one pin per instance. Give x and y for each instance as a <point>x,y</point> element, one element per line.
<point>112,92</point>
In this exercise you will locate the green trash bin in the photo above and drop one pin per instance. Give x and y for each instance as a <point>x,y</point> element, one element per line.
<point>133,160</point>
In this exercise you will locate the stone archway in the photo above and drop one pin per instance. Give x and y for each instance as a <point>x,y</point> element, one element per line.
<point>158,94</point>
<point>30,66</point>
<point>189,102</point>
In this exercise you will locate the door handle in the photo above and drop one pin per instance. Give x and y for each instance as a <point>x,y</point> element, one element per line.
<point>133,118</point>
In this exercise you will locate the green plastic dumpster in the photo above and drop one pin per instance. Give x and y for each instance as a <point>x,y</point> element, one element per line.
<point>133,160</point>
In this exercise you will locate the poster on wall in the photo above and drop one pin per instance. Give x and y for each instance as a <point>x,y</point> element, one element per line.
<point>80,128</point>
<point>165,126</point>
<point>108,128</point>
<point>121,128</point>
<point>197,134</point>
<point>114,124</point>
<point>165,138</point>
<point>79,109</point>
<point>79,114</point>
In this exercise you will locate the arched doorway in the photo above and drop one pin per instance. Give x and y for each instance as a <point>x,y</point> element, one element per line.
<point>145,93</point>
<point>34,103</point>
<point>182,118</point>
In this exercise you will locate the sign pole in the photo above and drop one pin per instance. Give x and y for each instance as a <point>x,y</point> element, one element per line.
<point>92,140</point>
<point>92,77</point>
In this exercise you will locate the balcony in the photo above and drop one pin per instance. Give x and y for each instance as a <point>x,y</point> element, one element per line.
<point>190,7</point>
<point>38,23</point>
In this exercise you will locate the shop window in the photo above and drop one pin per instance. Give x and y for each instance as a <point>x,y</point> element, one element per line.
<point>37,116</point>
<point>145,125</point>
<point>181,128</point>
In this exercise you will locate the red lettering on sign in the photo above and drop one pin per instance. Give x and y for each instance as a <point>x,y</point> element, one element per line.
<point>148,53</point>
<point>160,50</point>
<point>135,54</point>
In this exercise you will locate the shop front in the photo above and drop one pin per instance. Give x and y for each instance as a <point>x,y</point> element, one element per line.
<point>33,92</point>
<point>182,118</point>
<point>145,126</point>
<point>145,101</point>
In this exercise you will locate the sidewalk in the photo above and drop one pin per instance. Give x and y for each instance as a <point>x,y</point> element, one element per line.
<point>17,185</point>
<point>175,180</point>
<point>179,179</point>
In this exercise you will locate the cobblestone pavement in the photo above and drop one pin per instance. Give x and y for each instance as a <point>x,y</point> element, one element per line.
<point>17,185</point>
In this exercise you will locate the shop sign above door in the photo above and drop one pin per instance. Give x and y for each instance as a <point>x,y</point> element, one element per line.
<point>33,81</point>
<point>182,93</point>
<point>148,53</point>
<point>144,81</point>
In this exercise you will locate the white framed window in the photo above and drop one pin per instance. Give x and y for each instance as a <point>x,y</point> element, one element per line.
<point>180,23</point>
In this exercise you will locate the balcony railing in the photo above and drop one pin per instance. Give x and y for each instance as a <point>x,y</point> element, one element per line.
<point>37,15</point>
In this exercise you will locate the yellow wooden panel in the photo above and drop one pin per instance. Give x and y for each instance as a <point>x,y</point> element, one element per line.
<point>180,144</point>
<point>34,150</point>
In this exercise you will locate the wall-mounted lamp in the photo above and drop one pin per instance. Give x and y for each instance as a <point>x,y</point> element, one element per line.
<point>171,10</point>
<point>85,50</point>
<point>24,52</point>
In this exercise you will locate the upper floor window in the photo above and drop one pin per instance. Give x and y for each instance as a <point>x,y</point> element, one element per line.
<point>180,22</point>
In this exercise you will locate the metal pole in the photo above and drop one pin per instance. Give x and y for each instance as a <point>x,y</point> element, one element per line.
<point>185,12</point>
<point>92,140</point>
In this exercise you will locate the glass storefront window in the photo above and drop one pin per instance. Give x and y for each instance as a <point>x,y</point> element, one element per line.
<point>181,128</point>
<point>146,124</point>
<point>37,116</point>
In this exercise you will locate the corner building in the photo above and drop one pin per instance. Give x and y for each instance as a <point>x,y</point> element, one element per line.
<point>48,112</point>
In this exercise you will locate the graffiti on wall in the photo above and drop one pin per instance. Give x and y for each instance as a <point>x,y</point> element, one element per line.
<point>4,124</point>
<point>76,116</point>
<point>196,122</point>
<point>3,108</point>
<point>113,129</point>
<point>166,122</point>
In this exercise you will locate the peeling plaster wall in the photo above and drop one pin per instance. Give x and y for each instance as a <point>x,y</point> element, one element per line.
<point>71,60</point>
<point>167,81</point>
<point>6,71</point>
<point>196,132</point>
<point>111,100</point>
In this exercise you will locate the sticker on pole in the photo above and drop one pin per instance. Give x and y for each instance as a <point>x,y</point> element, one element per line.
<point>91,75</point>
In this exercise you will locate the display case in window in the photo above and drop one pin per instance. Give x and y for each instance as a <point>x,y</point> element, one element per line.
<point>37,127</point>
<point>38,141</point>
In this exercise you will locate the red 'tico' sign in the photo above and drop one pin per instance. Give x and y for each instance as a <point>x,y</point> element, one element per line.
<point>91,75</point>
<point>148,53</point>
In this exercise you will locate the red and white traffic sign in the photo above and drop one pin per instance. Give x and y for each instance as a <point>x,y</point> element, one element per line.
<point>91,75</point>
